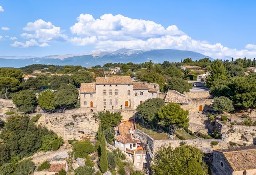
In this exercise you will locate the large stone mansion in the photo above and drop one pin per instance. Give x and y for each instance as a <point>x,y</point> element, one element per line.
<point>115,93</point>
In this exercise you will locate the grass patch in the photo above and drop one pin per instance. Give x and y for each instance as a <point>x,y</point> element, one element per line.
<point>155,135</point>
<point>183,135</point>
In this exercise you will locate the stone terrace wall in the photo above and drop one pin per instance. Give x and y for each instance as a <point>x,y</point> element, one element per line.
<point>202,144</point>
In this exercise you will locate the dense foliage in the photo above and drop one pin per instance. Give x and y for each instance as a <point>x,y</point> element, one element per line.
<point>21,168</point>
<point>25,101</point>
<point>178,84</point>
<point>173,115</point>
<point>149,109</point>
<point>179,161</point>
<point>222,104</point>
<point>102,150</point>
<point>10,78</point>
<point>20,138</point>
<point>108,121</point>
<point>81,149</point>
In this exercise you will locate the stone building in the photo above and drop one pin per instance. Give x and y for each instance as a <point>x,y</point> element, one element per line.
<point>115,93</point>
<point>128,141</point>
<point>240,161</point>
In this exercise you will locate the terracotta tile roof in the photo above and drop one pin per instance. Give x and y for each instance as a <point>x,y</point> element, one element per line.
<point>57,166</point>
<point>241,159</point>
<point>87,88</point>
<point>140,86</point>
<point>126,139</point>
<point>125,135</point>
<point>114,80</point>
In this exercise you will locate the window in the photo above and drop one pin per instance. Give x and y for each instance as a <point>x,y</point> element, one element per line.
<point>116,91</point>
<point>104,92</point>
<point>105,102</point>
<point>141,93</point>
<point>221,164</point>
<point>134,145</point>
<point>129,92</point>
<point>110,91</point>
<point>130,146</point>
<point>136,94</point>
<point>110,102</point>
<point>85,103</point>
<point>84,95</point>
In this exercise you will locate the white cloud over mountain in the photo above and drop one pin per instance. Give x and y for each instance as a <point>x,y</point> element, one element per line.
<point>111,32</point>
<point>39,33</point>
<point>1,9</point>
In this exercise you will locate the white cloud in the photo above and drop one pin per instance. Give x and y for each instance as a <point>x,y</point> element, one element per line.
<point>1,9</point>
<point>1,37</point>
<point>39,33</point>
<point>29,43</point>
<point>5,28</point>
<point>111,32</point>
<point>13,38</point>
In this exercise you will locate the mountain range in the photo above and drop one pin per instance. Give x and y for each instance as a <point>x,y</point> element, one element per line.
<point>101,58</point>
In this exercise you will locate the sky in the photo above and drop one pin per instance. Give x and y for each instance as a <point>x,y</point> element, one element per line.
<point>216,28</point>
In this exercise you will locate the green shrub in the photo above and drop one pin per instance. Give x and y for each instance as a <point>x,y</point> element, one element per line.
<point>204,136</point>
<point>111,161</point>
<point>62,172</point>
<point>89,162</point>
<point>10,113</point>
<point>44,166</point>
<point>213,143</point>
<point>224,118</point>
<point>83,148</point>
<point>36,118</point>
<point>51,142</point>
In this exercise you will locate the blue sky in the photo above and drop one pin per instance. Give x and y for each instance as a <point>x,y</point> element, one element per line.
<point>47,27</point>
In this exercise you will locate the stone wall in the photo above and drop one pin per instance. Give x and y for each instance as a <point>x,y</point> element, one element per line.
<point>203,144</point>
<point>71,125</point>
<point>239,134</point>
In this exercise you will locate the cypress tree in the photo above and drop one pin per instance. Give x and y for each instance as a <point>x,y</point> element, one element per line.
<point>103,164</point>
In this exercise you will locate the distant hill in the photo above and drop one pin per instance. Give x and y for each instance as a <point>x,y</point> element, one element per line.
<point>100,58</point>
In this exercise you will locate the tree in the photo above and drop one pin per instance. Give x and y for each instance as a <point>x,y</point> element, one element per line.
<point>173,115</point>
<point>20,137</point>
<point>179,161</point>
<point>46,100</point>
<point>84,170</point>
<point>149,109</point>
<point>222,104</point>
<point>187,60</point>
<point>103,162</point>
<point>111,161</point>
<point>82,76</point>
<point>82,148</point>
<point>66,97</point>
<point>25,167</point>
<point>108,121</point>
<point>178,84</point>
<point>6,83</point>
<point>217,72</point>
<point>51,142</point>
<point>25,101</point>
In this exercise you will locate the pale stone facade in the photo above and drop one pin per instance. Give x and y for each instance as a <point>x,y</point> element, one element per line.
<point>115,93</point>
